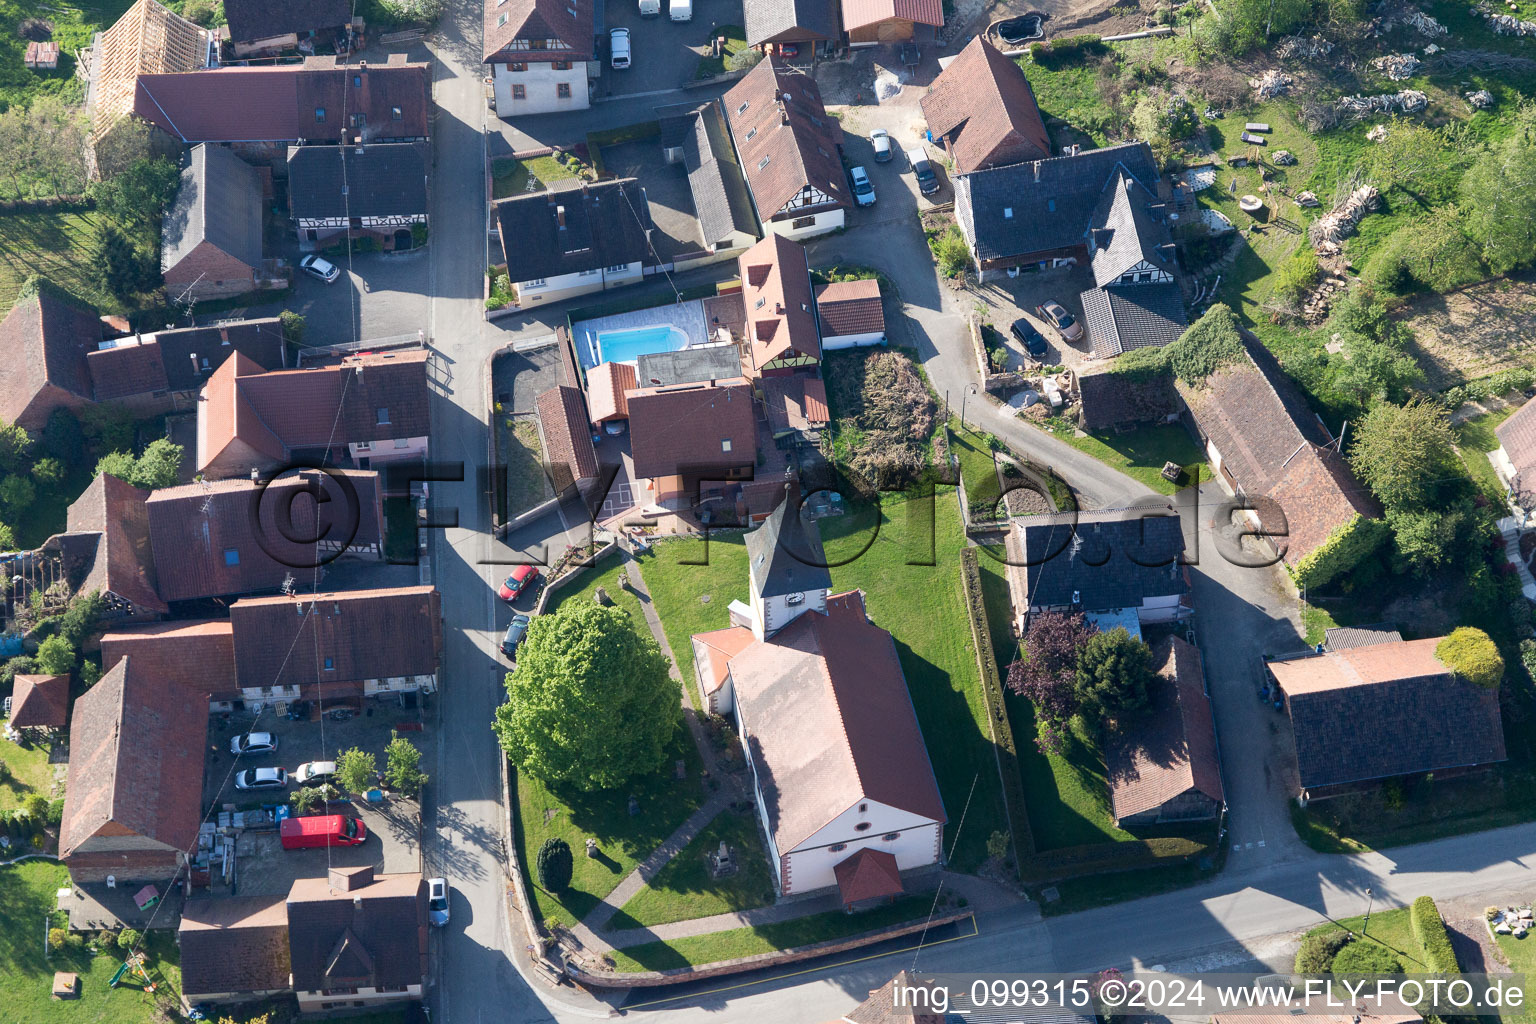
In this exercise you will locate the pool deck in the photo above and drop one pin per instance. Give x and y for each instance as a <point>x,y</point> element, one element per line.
<point>687,317</point>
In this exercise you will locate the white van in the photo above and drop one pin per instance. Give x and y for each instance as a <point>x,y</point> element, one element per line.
<point>650,8</point>
<point>618,48</point>
<point>680,10</point>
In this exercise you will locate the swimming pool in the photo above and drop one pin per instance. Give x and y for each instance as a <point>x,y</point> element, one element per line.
<point>629,344</point>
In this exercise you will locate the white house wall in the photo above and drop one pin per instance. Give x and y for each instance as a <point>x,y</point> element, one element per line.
<point>838,341</point>
<point>809,866</point>
<point>820,224</point>
<point>389,450</point>
<point>540,84</point>
<point>568,286</point>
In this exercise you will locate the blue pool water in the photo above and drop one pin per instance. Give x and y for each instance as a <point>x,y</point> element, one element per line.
<point>626,346</point>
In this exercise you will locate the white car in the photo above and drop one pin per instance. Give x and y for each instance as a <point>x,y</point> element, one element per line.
<point>863,191</point>
<point>680,10</point>
<point>437,901</point>
<point>316,267</point>
<point>880,139</point>
<point>618,48</point>
<point>261,778</point>
<point>314,771</point>
<point>253,743</point>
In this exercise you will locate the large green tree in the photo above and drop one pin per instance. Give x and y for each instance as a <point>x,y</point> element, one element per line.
<point>1499,193</point>
<point>156,468</point>
<point>1405,453</point>
<point>1113,672</point>
<point>590,703</point>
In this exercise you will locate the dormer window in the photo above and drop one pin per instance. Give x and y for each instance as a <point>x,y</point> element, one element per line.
<point>383,415</point>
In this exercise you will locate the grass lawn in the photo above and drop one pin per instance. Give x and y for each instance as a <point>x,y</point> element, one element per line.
<point>978,468</point>
<point>1475,439</point>
<point>1140,453</point>
<point>26,901</point>
<point>523,455</point>
<point>1521,955</point>
<point>623,840</point>
<point>27,772</point>
<point>1070,95</point>
<point>400,529</point>
<point>1068,793</point>
<point>511,177</point>
<point>1389,929</point>
<point>728,945</point>
<point>55,244</point>
<point>680,589</point>
<point>684,889</point>
<point>1424,810</point>
<point>923,608</point>
<point>605,574</point>
<point>735,39</point>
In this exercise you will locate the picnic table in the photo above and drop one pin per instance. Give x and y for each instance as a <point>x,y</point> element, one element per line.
<point>1255,126</point>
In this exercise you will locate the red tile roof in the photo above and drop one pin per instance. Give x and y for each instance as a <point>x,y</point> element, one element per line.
<point>567,435</point>
<point>234,944</point>
<point>795,402</point>
<point>850,307</point>
<point>829,722</point>
<point>122,563</point>
<point>197,654</point>
<point>692,429</point>
<point>776,289</point>
<point>43,346</point>
<point>867,875</point>
<point>40,701</point>
<point>859,13</point>
<point>371,935</point>
<point>136,748</point>
<point>714,651</point>
<point>784,136</point>
<point>343,636</point>
<point>881,1008</point>
<point>570,21</point>
<point>982,104</point>
<point>1171,750</point>
<point>606,384</point>
<point>126,369</point>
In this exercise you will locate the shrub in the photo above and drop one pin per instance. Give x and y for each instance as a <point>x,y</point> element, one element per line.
<point>744,58</point>
<point>293,326</point>
<point>953,255</point>
<point>1297,275</point>
<point>1068,50</point>
<point>128,938</point>
<point>36,806</point>
<point>1317,952</point>
<point>555,864</point>
<point>1364,957</point>
<point>1345,548</point>
<point>1528,656</point>
<point>55,813</point>
<point>57,937</point>
<point>402,766</point>
<point>1428,927</point>
<point>1472,655</point>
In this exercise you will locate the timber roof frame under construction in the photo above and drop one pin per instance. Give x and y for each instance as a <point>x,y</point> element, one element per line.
<point>148,39</point>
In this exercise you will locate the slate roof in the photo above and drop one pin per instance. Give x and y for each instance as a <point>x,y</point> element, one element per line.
<point>340,636</point>
<point>776,289</point>
<point>40,702</point>
<point>387,179</point>
<point>688,366</point>
<point>571,21</point>
<point>1111,400</point>
<point>1026,208</point>
<point>1273,445</point>
<point>1099,556</point>
<point>868,874</point>
<point>192,546</point>
<point>692,429</point>
<point>567,436</point>
<point>250,20</point>
<point>982,104</point>
<point>829,722</point>
<point>1123,317</point>
<point>136,745</point>
<point>719,188</point>
<point>860,13</point>
<point>771,21</point>
<point>606,384</point>
<point>1387,709</point>
<point>606,224</point>
<point>850,307</point>
<point>1517,436</point>
<point>881,1008</point>
<point>795,402</point>
<point>261,341</point>
<point>197,654</point>
<point>784,553</point>
<point>784,135</point>
<point>220,203</point>
<point>282,103</point>
<point>43,345</point>
<point>1172,749</point>
<point>1342,638</point>
<point>234,944</point>
<point>373,935</point>
<point>1126,231</point>
<point>121,560</point>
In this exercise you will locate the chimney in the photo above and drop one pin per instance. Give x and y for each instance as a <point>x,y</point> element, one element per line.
<point>350,879</point>
<point>255,474</point>
<point>223,335</point>
<point>560,217</point>
<point>362,65</point>
<point>194,362</point>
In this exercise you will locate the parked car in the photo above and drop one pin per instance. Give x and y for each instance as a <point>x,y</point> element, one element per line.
<point>789,51</point>
<point>863,191</point>
<point>880,139</point>
<point>315,772</point>
<point>321,830</point>
<point>680,10</point>
<point>437,901</point>
<point>261,778</point>
<point>253,743</point>
<point>650,8</point>
<point>316,267</point>
<point>1056,315</point>
<point>515,583</point>
<point>615,428</point>
<point>515,633</point>
<point>927,181</point>
<point>618,48</point>
<point>1032,340</point>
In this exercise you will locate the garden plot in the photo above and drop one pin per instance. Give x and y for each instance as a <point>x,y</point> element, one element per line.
<point>1474,332</point>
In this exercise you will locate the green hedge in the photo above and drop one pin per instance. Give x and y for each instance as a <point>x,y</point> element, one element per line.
<point>1342,551</point>
<point>1068,50</point>
<point>618,136</point>
<point>1424,919</point>
<point>992,691</point>
<point>1105,858</point>
<point>1516,379</point>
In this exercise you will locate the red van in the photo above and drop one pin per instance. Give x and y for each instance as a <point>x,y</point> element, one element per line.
<point>321,830</point>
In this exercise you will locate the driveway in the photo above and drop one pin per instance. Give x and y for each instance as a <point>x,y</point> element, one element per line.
<point>377,296</point>
<point>665,53</point>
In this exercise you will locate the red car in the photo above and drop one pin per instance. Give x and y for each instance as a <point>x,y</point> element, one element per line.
<point>514,584</point>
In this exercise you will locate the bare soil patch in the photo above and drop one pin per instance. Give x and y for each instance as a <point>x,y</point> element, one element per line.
<point>1475,332</point>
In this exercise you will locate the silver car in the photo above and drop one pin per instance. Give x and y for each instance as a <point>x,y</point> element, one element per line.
<point>253,743</point>
<point>261,778</point>
<point>880,139</point>
<point>437,901</point>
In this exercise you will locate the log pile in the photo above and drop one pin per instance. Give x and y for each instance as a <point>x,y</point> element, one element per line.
<point>1328,232</point>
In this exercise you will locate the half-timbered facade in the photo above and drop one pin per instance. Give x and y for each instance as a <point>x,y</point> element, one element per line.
<point>377,191</point>
<point>541,55</point>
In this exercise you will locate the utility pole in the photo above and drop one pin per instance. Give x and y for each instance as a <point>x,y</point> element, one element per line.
<point>1365,926</point>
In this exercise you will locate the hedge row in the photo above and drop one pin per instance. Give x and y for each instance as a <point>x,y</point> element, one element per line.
<point>1342,551</point>
<point>992,693</point>
<point>1516,379</point>
<point>1428,927</point>
<point>1068,50</point>
<point>1106,858</point>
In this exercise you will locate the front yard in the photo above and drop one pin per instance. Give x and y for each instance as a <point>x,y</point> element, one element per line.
<point>27,902</point>
<point>23,771</point>
<point>1140,453</point>
<point>686,888</point>
<point>695,598</point>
